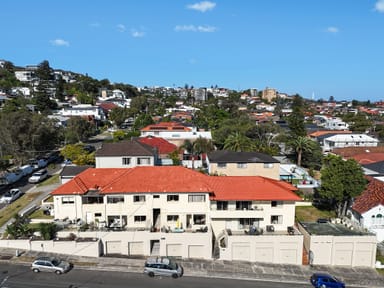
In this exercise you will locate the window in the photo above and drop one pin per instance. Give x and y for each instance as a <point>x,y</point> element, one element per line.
<point>156,196</point>
<point>140,218</point>
<point>276,203</point>
<point>268,165</point>
<point>248,222</point>
<point>241,165</point>
<point>199,219</point>
<point>126,161</point>
<point>97,214</point>
<point>143,161</point>
<point>115,199</point>
<point>172,218</point>
<point>196,198</point>
<point>243,205</point>
<point>93,199</point>
<point>67,200</point>
<point>222,205</point>
<point>175,135</point>
<point>277,219</point>
<point>139,198</point>
<point>222,165</point>
<point>171,198</point>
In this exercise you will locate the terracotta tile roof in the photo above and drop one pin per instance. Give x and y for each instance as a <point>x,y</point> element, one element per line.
<point>349,152</point>
<point>166,126</point>
<point>177,179</point>
<point>325,132</point>
<point>368,158</point>
<point>371,197</point>
<point>125,148</point>
<point>162,145</point>
<point>251,188</point>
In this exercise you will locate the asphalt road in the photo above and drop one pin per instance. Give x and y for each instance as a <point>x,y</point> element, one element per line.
<point>20,276</point>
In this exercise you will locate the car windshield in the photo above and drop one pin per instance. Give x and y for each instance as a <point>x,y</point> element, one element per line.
<point>172,265</point>
<point>56,262</point>
<point>7,194</point>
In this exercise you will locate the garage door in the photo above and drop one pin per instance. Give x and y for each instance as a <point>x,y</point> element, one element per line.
<point>174,250</point>
<point>113,247</point>
<point>363,258</point>
<point>264,254</point>
<point>288,256</point>
<point>135,248</point>
<point>241,251</point>
<point>196,251</point>
<point>343,253</point>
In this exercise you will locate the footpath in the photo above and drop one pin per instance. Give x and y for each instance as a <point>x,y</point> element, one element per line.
<point>353,277</point>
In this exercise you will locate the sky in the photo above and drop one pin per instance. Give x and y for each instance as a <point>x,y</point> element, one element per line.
<point>314,48</point>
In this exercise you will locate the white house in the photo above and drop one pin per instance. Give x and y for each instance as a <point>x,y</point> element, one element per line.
<point>368,208</point>
<point>328,142</point>
<point>176,211</point>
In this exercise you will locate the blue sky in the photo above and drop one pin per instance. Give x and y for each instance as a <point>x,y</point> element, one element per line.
<point>317,48</point>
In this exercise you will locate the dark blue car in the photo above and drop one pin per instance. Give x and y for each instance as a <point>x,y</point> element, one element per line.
<point>325,280</point>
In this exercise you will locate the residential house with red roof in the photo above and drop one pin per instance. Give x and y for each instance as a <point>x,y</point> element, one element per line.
<point>174,132</point>
<point>163,147</point>
<point>176,211</point>
<point>368,208</point>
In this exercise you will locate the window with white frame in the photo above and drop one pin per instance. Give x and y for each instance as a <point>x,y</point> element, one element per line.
<point>140,218</point>
<point>126,161</point>
<point>196,198</point>
<point>222,205</point>
<point>115,199</point>
<point>67,200</point>
<point>143,161</point>
<point>222,165</point>
<point>241,165</point>
<point>243,205</point>
<point>172,198</point>
<point>199,219</point>
<point>172,218</point>
<point>139,198</point>
<point>276,203</point>
<point>277,219</point>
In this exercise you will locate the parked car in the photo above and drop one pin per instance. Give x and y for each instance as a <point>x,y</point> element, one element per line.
<point>38,176</point>
<point>162,266</point>
<point>11,196</point>
<point>325,280</point>
<point>50,264</point>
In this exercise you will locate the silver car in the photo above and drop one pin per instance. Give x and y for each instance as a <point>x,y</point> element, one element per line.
<point>163,266</point>
<point>50,264</point>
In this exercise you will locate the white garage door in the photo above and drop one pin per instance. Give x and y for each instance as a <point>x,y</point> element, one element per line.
<point>196,251</point>
<point>174,250</point>
<point>113,247</point>
<point>288,256</point>
<point>241,251</point>
<point>264,254</point>
<point>135,248</point>
<point>343,254</point>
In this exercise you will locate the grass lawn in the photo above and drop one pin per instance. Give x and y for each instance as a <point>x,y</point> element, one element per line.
<point>51,180</point>
<point>311,214</point>
<point>7,212</point>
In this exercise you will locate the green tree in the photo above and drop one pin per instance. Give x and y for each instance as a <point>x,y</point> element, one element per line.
<point>19,227</point>
<point>47,230</point>
<point>296,118</point>
<point>142,120</point>
<point>118,115</point>
<point>238,142</point>
<point>341,181</point>
<point>78,129</point>
<point>77,154</point>
<point>299,145</point>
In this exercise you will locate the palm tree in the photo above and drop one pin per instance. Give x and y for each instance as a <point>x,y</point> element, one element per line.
<point>301,144</point>
<point>238,142</point>
<point>203,146</point>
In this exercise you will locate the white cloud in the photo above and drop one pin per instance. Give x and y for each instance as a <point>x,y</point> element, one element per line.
<point>332,29</point>
<point>121,28</point>
<point>379,6</point>
<point>202,6</point>
<point>59,42</point>
<point>193,28</point>
<point>136,33</point>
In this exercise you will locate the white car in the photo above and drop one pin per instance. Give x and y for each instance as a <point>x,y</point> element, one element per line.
<point>11,196</point>
<point>38,176</point>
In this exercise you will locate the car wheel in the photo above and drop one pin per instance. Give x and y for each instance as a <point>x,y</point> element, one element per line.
<point>151,274</point>
<point>36,270</point>
<point>175,276</point>
<point>58,272</point>
<point>323,286</point>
